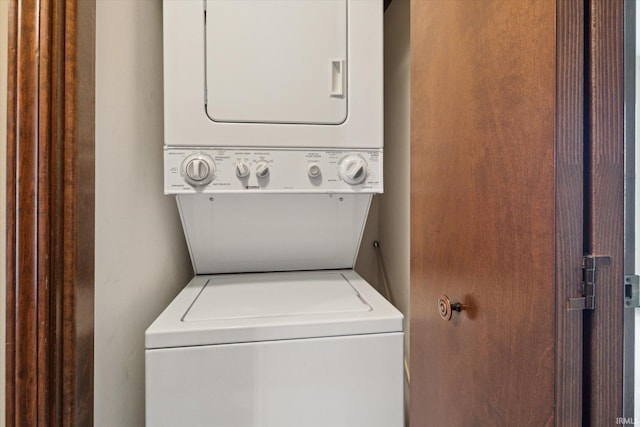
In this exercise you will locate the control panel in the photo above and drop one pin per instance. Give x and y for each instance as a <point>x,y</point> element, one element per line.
<point>233,170</point>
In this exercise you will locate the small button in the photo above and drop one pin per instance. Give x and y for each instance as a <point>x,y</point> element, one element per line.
<point>313,170</point>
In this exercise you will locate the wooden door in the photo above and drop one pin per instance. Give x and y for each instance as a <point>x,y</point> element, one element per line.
<point>496,212</point>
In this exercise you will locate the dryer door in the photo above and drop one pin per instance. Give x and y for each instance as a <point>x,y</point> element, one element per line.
<point>276,61</point>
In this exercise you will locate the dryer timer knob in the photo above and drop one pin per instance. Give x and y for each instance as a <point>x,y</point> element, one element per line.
<point>353,169</point>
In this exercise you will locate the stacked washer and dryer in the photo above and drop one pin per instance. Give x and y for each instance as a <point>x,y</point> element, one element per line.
<point>273,150</point>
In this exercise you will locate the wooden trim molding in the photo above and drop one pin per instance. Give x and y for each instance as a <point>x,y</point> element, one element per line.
<point>50,213</point>
<point>604,326</point>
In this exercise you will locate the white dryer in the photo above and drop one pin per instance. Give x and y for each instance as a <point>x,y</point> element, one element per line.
<point>273,150</point>
<point>273,73</point>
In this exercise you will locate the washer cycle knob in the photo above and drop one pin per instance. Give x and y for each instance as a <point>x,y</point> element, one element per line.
<point>198,169</point>
<point>262,169</point>
<point>353,169</point>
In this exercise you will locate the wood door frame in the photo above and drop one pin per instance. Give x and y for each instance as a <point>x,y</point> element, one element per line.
<point>570,99</point>
<point>630,189</point>
<point>604,210</point>
<point>50,212</point>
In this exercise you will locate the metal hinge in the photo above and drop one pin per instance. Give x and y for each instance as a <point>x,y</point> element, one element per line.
<point>590,263</point>
<point>631,291</point>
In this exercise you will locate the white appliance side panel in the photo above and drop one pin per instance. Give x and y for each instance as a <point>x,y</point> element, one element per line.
<point>187,124</point>
<point>354,381</point>
<point>229,233</point>
<point>276,61</point>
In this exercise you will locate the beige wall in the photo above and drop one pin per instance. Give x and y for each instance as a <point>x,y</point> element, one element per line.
<point>3,173</point>
<point>366,264</point>
<point>394,203</point>
<point>141,257</point>
<point>394,216</point>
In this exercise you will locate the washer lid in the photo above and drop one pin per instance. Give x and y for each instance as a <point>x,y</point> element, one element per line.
<point>267,295</point>
<point>236,308</point>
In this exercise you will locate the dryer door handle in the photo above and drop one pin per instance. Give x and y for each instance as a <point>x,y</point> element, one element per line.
<point>338,75</point>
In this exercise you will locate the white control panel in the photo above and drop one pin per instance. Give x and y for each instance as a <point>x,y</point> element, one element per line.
<point>234,170</point>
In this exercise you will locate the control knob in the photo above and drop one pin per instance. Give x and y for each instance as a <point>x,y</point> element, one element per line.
<point>198,169</point>
<point>262,169</point>
<point>353,169</point>
<point>242,170</point>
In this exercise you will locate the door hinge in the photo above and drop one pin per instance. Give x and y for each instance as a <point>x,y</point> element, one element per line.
<point>631,291</point>
<point>590,264</point>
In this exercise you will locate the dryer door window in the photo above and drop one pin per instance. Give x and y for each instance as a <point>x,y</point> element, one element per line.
<point>276,61</point>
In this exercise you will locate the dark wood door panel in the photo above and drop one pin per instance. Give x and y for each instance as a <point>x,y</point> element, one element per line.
<point>483,212</point>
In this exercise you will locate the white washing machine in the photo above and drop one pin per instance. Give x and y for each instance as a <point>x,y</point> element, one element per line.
<point>275,348</point>
<point>273,150</point>
<point>293,349</point>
